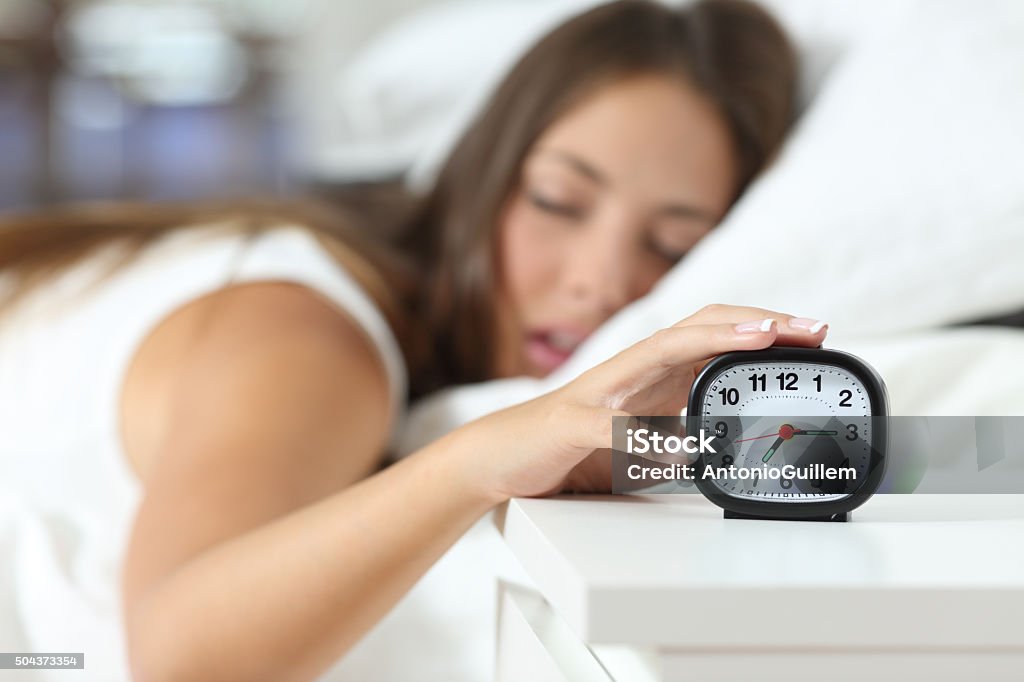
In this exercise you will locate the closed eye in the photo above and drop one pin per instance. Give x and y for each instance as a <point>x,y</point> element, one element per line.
<point>669,254</point>
<point>555,207</point>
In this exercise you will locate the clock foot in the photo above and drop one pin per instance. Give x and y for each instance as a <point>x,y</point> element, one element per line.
<point>845,516</point>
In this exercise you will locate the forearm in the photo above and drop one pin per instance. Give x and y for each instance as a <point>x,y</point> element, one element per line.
<point>284,601</point>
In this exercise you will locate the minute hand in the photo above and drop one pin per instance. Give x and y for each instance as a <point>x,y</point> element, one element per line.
<point>814,432</point>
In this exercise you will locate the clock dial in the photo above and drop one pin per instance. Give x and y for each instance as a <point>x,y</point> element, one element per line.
<point>786,424</point>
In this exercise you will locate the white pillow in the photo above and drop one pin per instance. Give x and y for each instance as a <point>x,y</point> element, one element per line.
<point>896,207</point>
<point>408,93</point>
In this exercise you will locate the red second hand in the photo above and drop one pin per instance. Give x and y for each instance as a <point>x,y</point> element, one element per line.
<point>770,435</point>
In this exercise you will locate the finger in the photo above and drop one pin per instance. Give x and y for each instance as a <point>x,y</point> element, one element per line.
<point>801,331</point>
<point>653,358</point>
<point>793,330</point>
<point>720,313</point>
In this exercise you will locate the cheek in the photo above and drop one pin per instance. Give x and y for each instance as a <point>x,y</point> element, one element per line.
<point>655,268</point>
<point>641,268</point>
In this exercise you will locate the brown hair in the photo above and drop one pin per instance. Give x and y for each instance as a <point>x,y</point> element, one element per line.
<point>36,245</point>
<point>439,262</point>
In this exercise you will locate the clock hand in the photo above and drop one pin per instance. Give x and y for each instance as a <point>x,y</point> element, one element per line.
<point>771,451</point>
<point>744,440</point>
<point>787,433</point>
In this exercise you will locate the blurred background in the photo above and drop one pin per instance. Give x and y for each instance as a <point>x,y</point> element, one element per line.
<point>157,99</point>
<point>167,99</point>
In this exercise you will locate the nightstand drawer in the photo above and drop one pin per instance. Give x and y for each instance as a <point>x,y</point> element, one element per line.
<point>535,644</point>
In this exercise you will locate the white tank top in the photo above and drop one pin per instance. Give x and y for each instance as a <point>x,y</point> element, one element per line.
<point>67,494</point>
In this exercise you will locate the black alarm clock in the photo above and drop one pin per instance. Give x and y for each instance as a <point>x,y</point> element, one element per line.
<point>798,433</point>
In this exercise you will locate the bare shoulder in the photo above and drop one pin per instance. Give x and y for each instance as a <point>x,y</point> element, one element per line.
<point>262,352</point>
<point>246,405</point>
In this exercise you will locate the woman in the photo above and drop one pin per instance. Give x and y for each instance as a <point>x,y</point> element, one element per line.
<point>253,395</point>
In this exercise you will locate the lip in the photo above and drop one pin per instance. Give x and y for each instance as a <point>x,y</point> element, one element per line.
<point>548,356</point>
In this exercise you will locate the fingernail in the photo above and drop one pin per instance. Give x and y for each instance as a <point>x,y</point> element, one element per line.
<point>807,324</point>
<point>755,327</point>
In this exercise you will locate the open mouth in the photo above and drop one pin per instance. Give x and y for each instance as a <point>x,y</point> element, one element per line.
<point>550,348</point>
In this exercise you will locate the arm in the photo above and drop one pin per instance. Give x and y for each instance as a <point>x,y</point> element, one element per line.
<point>245,561</point>
<point>238,570</point>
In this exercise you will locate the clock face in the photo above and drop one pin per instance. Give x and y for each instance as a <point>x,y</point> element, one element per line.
<point>801,431</point>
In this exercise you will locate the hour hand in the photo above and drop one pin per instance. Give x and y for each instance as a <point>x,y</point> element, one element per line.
<point>814,432</point>
<point>771,451</point>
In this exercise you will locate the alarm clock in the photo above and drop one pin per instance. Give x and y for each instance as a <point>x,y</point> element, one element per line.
<point>798,433</point>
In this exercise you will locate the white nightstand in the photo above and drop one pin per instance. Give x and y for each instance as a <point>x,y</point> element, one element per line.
<point>661,587</point>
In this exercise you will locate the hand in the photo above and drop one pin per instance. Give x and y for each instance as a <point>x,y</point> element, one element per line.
<point>530,449</point>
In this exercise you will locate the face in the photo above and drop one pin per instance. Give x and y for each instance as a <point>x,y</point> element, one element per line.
<point>610,196</point>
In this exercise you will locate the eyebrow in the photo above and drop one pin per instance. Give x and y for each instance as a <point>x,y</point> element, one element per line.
<point>587,170</point>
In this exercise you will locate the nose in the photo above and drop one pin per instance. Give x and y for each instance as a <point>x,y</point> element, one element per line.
<point>599,272</point>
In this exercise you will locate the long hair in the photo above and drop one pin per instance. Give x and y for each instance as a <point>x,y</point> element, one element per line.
<point>36,245</point>
<point>431,262</point>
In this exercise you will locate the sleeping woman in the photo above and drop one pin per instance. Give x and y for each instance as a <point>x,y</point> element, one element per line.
<point>211,392</point>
